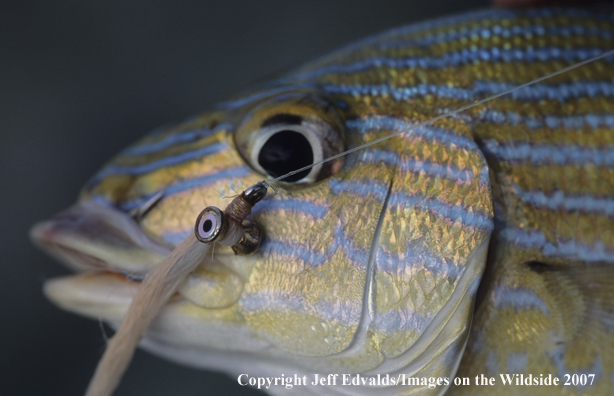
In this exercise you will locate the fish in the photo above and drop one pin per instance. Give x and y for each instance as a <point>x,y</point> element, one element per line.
<point>479,245</point>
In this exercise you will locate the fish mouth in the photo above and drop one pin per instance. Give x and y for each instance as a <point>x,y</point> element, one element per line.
<point>112,254</point>
<point>94,237</point>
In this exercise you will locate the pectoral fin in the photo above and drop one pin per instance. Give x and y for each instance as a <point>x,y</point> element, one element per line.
<point>547,316</point>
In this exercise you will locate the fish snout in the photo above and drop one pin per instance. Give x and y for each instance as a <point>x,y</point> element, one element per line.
<point>110,247</point>
<point>91,236</point>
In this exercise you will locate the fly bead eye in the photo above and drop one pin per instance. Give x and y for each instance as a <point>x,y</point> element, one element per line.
<point>210,225</point>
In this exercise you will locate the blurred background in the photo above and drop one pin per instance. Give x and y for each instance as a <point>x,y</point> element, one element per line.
<point>81,80</point>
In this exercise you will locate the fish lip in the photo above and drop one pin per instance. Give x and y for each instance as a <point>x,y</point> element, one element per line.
<point>93,237</point>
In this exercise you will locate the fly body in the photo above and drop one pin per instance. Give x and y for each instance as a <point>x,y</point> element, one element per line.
<point>481,244</point>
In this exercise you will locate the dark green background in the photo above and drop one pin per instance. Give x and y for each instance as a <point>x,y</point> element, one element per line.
<point>79,80</point>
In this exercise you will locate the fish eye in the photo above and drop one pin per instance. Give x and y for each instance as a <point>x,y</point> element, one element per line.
<point>285,135</point>
<point>284,148</point>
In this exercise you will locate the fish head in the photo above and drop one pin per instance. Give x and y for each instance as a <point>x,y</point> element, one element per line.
<point>369,262</point>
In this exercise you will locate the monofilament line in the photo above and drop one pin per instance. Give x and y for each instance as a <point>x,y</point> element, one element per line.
<point>448,114</point>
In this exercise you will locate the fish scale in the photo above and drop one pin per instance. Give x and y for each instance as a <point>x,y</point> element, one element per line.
<point>376,269</point>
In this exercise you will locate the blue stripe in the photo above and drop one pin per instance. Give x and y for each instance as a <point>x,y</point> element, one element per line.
<point>314,210</point>
<point>428,132</point>
<point>279,300</point>
<point>298,250</point>
<point>361,189</point>
<point>544,153</point>
<point>518,298</point>
<point>459,58</point>
<point>558,200</point>
<point>293,249</point>
<point>568,122</point>
<point>443,209</point>
<point>399,94</point>
<point>314,258</point>
<point>99,199</point>
<point>499,31</point>
<point>401,319</point>
<point>571,248</point>
<point>560,92</point>
<point>172,139</point>
<point>559,358</point>
<point>492,14</point>
<point>341,241</point>
<point>401,199</point>
<point>405,164</point>
<point>295,205</point>
<point>184,185</point>
<point>202,181</point>
<point>346,313</point>
<point>416,257</point>
<point>463,57</point>
<point>535,92</point>
<point>161,163</point>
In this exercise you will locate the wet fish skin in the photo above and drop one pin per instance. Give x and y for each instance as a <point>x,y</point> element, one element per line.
<point>368,259</point>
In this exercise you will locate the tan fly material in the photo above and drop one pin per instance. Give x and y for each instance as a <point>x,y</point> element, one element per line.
<point>227,228</point>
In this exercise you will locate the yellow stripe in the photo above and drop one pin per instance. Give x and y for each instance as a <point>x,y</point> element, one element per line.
<point>590,179</point>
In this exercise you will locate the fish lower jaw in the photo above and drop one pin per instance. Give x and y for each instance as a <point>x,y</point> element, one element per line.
<point>181,326</point>
<point>97,295</point>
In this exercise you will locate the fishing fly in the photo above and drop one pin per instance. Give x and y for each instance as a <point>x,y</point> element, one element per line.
<point>230,226</point>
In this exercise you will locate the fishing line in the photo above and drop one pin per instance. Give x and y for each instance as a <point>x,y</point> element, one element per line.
<point>269,183</point>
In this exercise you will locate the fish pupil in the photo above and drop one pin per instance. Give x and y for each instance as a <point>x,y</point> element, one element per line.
<point>208,224</point>
<point>284,152</point>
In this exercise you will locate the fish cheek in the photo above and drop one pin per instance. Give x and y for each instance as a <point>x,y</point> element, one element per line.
<point>190,187</point>
<point>291,312</point>
<point>305,294</point>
